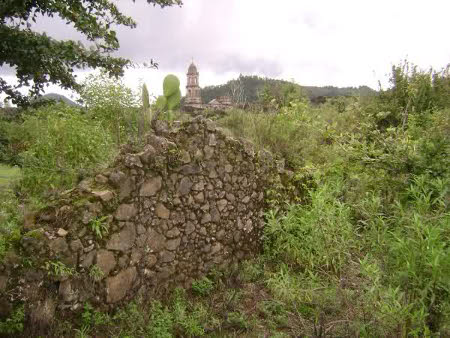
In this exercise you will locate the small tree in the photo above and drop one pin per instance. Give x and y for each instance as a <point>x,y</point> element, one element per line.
<point>237,91</point>
<point>412,92</point>
<point>111,102</point>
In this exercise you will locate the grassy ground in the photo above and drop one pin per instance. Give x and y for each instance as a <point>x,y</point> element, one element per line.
<point>239,303</point>
<point>7,174</point>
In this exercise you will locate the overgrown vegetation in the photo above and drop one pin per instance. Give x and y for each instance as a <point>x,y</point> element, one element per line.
<point>368,254</point>
<point>363,252</point>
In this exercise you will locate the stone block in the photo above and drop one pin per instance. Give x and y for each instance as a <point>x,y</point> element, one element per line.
<point>185,186</point>
<point>118,286</point>
<point>125,212</point>
<point>106,261</point>
<point>123,240</point>
<point>151,186</point>
<point>162,212</point>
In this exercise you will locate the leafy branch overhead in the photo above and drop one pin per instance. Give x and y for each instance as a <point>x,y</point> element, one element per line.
<point>40,59</point>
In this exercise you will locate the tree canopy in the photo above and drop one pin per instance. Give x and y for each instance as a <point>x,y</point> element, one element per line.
<point>39,59</point>
<point>253,87</point>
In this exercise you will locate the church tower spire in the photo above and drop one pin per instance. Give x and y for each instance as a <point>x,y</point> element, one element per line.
<point>192,88</point>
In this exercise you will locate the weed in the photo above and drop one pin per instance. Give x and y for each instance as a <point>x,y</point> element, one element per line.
<point>188,320</point>
<point>82,332</point>
<point>252,271</point>
<point>238,320</point>
<point>59,269</point>
<point>99,227</point>
<point>96,273</point>
<point>161,322</point>
<point>203,287</point>
<point>91,318</point>
<point>131,319</point>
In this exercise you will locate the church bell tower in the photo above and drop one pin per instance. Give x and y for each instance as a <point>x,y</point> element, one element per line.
<point>192,88</point>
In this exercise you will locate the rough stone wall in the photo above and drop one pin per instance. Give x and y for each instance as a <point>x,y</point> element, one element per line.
<point>191,200</point>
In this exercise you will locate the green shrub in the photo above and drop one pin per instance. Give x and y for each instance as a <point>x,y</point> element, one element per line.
<point>10,221</point>
<point>318,236</point>
<point>13,140</point>
<point>64,143</point>
<point>296,133</point>
<point>112,104</point>
<point>413,92</point>
<point>15,323</point>
<point>418,257</point>
<point>161,322</point>
<point>92,318</point>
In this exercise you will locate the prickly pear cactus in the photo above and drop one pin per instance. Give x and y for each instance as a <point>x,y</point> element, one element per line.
<point>173,101</point>
<point>172,94</point>
<point>171,85</point>
<point>161,103</point>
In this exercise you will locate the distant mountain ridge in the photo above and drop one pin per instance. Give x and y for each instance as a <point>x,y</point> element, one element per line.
<point>57,98</point>
<point>253,85</point>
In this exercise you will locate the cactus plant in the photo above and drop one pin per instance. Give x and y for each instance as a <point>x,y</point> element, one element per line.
<point>173,101</point>
<point>145,97</point>
<point>161,103</point>
<point>171,85</point>
<point>172,94</point>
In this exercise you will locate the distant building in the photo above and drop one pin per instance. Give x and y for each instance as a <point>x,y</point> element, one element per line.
<point>193,100</point>
<point>221,102</point>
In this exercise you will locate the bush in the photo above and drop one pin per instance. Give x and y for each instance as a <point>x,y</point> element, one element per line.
<point>292,134</point>
<point>14,324</point>
<point>316,237</point>
<point>10,221</point>
<point>12,142</point>
<point>63,143</point>
<point>413,92</point>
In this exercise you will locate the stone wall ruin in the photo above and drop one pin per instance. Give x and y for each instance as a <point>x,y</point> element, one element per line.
<point>190,200</point>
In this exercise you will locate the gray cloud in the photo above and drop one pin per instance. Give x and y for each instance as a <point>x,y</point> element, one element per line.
<point>317,43</point>
<point>172,36</point>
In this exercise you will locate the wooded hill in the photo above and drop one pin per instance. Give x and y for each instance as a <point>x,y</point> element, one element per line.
<point>253,85</point>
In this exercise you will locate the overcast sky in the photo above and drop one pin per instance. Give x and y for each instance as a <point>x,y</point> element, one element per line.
<point>320,42</point>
